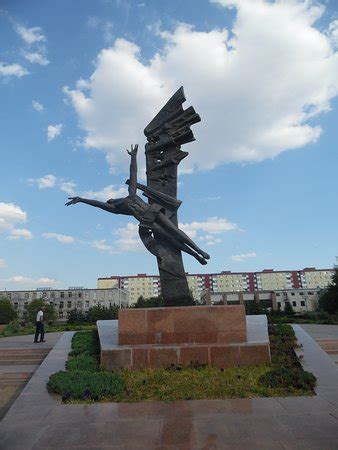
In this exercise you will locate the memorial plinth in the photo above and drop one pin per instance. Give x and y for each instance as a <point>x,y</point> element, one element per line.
<point>162,337</point>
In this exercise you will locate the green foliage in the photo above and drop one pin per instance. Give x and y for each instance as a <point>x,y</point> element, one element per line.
<point>290,379</point>
<point>93,314</point>
<point>13,326</point>
<point>253,308</point>
<point>86,385</point>
<point>151,302</point>
<point>85,343</point>
<point>83,362</point>
<point>328,301</point>
<point>49,312</point>
<point>7,312</point>
<point>288,310</point>
<point>287,372</point>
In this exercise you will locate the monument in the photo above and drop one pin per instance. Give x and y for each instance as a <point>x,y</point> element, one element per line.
<point>179,333</point>
<point>158,223</point>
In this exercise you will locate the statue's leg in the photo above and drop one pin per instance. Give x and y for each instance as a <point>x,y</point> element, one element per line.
<point>179,234</point>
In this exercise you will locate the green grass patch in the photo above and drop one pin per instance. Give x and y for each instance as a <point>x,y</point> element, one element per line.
<point>83,380</point>
<point>86,385</point>
<point>16,329</point>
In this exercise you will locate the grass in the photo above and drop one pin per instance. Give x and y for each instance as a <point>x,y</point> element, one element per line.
<point>23,330</point>
<point>83,380</point>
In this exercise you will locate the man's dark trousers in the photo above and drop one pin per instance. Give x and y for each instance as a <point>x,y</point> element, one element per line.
<point>40,329</point>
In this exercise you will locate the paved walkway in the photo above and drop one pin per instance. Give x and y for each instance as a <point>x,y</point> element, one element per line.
<point>37,420</point>
<point>19,359</point>
<point>326,336</point>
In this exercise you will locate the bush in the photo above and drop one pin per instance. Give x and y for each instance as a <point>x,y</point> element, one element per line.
<point>13,326</point>
<point>151,302</point>
<point>328,301</point>
<point>86,343</point>
<point>49,314</point>
<point>86,385</point>
<point>292,379</point>
<point>93,314</point>
<point>7,312</point>
<point>83,362</point>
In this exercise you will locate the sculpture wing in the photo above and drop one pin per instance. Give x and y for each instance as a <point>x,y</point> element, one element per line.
<point>168,130</point>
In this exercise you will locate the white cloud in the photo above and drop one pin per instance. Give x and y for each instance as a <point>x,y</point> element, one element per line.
<point>102,246</point>
<point>18,233</point>
<point>30,35</point>
<point>53,131</point>
<point>47,181</point>
<point>36,58</point>
<point>10,215</point>
<point>3,264</point>
<point>213,225</point>
<point>128,239</point>
<point>62,238</point>
<point>243,256</point>
<point>12,70</point>
<point>255,88</point>
<point>210,239</point>
<point>68,187</point>
<point>107,192</point>
<point>28,282</point>
<point>37,106</point>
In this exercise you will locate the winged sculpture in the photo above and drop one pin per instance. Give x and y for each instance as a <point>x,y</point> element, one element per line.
<point>158,224</point>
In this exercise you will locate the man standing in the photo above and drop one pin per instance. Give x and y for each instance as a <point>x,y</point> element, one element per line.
<point>40,329</point>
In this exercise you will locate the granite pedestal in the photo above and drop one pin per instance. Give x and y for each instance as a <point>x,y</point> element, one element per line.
<point>220,336</point>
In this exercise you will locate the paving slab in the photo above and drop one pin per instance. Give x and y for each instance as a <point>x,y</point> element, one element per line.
<point>39,421</point>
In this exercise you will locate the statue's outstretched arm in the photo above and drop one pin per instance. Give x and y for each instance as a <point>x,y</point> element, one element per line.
<point>133,170</point>
<point>103,205</point>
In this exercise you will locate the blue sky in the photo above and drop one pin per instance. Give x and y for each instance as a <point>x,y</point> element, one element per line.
<point>80,80</point>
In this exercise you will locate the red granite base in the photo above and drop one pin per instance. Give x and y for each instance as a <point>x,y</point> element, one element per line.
<point>185,336</point>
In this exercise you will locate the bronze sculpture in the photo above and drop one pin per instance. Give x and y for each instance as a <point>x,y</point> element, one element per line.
<point>158,225</point>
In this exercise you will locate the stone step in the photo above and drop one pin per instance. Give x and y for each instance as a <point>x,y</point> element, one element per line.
<point>332,352</point>
<point>24,351</point>
<point>20,361</point>
<point>22,376</point>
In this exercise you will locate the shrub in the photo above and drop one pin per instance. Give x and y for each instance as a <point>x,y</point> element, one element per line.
<point>13,326</point>
<point>292,379</point>
<point>151,302</point>
<point>86,343</point>
<point>86,385</point>
<point>34,306</point>
<point>83,362</point>
<point>7,312</point>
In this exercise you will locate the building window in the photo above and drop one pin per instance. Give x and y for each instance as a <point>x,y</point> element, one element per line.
<point>60,315</point>
<point>70,294</point>
<point>292,293</point>
<point>16,305</point>
<point>294,303</point>
<point>278,294</point>
<point>80,294</point>
<point>62,294</point>
<point>61,305</point>
<point>26,295</point>
<point>301,293</point>
<point>87,303</point>
<point>302,303</point>
<point>52,294</point>
<point>310,293</point>
<point>69,304</point>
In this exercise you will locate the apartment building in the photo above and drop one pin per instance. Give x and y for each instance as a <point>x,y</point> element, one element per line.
<point>227,281</point>
<point>301,300</point>
<point>65,300</point>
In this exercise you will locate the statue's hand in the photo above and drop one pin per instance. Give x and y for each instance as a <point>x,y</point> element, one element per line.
<point>73,201</point>
<point>133,150</point>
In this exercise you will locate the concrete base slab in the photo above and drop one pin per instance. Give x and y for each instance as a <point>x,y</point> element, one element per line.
<point>255,350</point>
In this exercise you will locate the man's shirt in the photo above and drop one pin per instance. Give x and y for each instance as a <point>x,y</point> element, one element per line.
<point>39,316</point>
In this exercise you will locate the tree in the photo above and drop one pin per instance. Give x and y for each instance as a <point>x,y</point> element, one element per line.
<point>288,310</point>
<point>7,312</point>
<point>328,301</point>
<point>49,315</point>
<point>101,313</point>
<point>151,302</point>
<point>76,316</point>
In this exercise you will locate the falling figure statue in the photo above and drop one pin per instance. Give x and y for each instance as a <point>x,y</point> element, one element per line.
<point>152,217</point>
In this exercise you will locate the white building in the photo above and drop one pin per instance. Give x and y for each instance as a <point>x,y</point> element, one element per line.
<point>65,300</point>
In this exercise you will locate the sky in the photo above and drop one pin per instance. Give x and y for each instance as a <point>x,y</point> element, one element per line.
<point>79,81</point>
